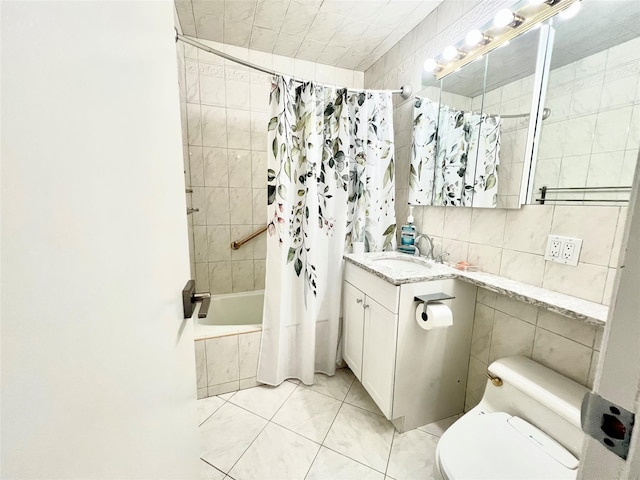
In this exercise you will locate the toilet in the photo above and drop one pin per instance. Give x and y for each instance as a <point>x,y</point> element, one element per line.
<point>527,426</point>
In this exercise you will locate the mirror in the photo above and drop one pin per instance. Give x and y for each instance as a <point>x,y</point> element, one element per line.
<point>474,153</point>
<point>588,147</point>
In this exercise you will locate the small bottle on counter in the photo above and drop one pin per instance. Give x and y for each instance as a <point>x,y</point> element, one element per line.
<point>408,235</point>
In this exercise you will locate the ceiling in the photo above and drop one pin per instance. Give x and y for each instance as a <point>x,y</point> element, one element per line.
<point>343,33</point>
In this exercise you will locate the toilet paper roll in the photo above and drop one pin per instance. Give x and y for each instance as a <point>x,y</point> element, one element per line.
<point>438,315</point>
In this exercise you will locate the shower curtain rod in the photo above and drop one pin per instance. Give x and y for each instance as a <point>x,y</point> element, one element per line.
<point>405,91</point>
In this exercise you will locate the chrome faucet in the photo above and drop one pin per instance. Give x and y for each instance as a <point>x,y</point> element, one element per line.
<point>423,236</point>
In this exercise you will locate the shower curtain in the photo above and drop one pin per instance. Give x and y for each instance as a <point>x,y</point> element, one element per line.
<point>330,182</point>
<point>455,157</point>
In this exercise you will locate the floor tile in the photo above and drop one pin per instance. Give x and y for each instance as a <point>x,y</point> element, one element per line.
<point>412,456</point>
<point>226,396</point>
<point>227,434</point>
<point>439,427</point>
<point>211,473</point>
<point>276,454</point>
<point>336,386</point>
<point>308,413</point>
<point>362,436</point>
<point>264,400</point>
<point>207,407</point>
<point>359,397</point>
<point>331,465</point>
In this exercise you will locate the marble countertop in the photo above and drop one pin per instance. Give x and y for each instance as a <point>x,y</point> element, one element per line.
<point>398,268</point>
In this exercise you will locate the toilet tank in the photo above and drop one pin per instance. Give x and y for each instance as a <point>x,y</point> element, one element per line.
<point>539,395</point>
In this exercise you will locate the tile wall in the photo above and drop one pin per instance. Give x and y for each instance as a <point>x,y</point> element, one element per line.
<point>227,107</point>
<point>504,326</point>
<point>506,242</point>
<point>226,364</point>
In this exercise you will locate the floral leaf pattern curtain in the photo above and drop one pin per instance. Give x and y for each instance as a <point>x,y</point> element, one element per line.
<point>463,148</point>
<point>330,182</point>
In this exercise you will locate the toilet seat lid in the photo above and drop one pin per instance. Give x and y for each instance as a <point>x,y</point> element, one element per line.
<point>500,446</point>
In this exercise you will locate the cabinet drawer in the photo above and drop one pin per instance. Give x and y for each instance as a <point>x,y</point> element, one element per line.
<point>383,292</point>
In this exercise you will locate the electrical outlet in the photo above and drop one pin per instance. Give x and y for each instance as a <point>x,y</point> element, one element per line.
<point>564,250</point>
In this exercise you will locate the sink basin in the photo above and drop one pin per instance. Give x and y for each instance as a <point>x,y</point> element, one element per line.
<point>407,264</point>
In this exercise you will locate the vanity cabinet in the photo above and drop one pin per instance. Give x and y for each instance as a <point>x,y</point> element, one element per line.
<point>415,376</point>
<point>370,344</point>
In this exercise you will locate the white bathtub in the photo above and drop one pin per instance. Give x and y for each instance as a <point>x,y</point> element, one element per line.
<point>231,314</point>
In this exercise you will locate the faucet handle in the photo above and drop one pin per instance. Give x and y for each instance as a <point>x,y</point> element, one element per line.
<point>442,257</point>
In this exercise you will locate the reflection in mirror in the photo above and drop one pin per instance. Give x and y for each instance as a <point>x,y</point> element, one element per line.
<point>509,90</point>
<point>482,130</point>
<point>588,147</point>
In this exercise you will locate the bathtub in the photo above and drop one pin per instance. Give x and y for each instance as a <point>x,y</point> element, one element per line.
<point>231,314</point>
<point>227,343</point>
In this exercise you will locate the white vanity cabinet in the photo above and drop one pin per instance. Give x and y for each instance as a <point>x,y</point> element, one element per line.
<point>370,330</point>
<point>415,376</point>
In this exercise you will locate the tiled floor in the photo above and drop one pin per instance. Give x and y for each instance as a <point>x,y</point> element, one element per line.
<point>330,430</point>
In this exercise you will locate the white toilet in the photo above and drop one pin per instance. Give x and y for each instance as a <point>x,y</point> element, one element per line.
<point>526,428</point>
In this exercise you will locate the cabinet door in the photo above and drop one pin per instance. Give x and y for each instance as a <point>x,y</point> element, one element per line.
<point>353,326</point>
<point>379,355</point>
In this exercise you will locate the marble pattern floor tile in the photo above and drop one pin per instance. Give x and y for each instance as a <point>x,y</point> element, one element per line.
<point>277,453</point>
<point>263,400</point>
<point>308,413</point>
<point>227,434</point>
<point>362,436</point>
<point>331,465</point>
<point>207,407</point>
<point>359,397</point>
<point>211,473</point>
<point>439,427</point>
<point>413,455</point>
<point>336,386</point>
<point>330,431</point>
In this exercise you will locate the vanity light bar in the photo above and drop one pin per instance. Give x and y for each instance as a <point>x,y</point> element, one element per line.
<point>524,19</point>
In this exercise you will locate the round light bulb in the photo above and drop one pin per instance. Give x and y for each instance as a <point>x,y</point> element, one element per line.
<point>430,65</point>
<point>450,53</point>
<point>571,12</point>
<point>473,38</point>
<point>504,18</point>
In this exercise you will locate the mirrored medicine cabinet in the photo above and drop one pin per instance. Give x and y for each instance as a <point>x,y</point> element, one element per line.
<point>552,117</point>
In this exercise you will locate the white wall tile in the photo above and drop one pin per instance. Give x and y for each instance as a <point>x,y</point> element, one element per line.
<point>487,226</point>
<point>511,336</point>
<point>519,234</point>
<point>562,355</point>
<point>584,281</point>
<point>242,272</point>
<point>516,308</point>
<point>222,360</point>
<point>249,348</point>
<point>570,328</point>
<point>595,225</point>
<point>482,330</point>
<point>524,267</point>
<point>220,277</point>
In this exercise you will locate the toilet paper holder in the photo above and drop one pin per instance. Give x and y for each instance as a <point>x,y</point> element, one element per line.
<point>431,297</point>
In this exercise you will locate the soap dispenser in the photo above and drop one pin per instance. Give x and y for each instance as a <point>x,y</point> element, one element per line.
<point>408,234</point>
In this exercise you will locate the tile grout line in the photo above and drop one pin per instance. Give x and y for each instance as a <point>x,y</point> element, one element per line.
<point>330,426</point>
<point>259,433</point>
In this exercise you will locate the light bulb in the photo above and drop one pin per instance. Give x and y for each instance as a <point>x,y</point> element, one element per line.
<point>430,65</point>
<point>537,2</point>
<point>450,53</point>
<point>473,38</point>
<point>506,18</point>
<point>571,12</point>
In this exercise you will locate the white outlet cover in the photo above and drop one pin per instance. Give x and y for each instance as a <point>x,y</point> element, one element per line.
<point>565,250</point>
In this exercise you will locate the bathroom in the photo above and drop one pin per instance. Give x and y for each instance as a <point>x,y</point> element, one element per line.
<point>329,426</point>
